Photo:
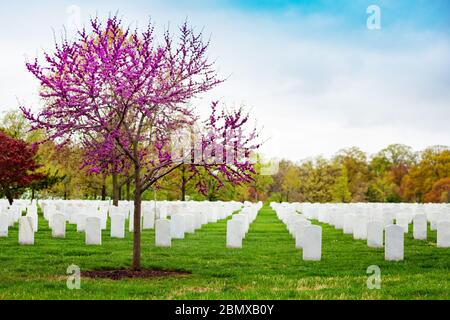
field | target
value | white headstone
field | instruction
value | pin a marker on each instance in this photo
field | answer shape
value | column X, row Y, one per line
column 312, row 246
column 443, row 234
column 103, row 215
column 162, row 212
column 93, row 231
column 81, row 222
column 58, row 225
column 297, row 218
column 339, row 221
column 234, row 233
column 291, row 219
column 244, row 225
column 4, row 224
column 212, row 215
column 189, row 223
column 387, row 219
column 131, row 220
column 299, row 232
column 375, row 234
column 403, row 222
column 26, row 233
column 177, row 227
column 359, row 227
column 394, row 243
column 12, row 218
column 420, row 227
column 348, row 223
column 162, row 233
column 204, row 218
column 35, row 218
column 433, row 224
column 198, row 220
column 148, row 219
column 49, row 217
column 117, row 226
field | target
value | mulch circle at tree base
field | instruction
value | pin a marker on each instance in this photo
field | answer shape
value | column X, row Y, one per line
column 118, row 274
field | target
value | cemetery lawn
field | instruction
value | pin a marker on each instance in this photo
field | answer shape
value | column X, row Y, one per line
column 268, row 266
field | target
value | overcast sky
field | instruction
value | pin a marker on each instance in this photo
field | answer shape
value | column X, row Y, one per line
column 311, row 72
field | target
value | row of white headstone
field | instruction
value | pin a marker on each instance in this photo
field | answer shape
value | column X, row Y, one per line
column 239, row 225
column 91, row 217
column 308, row 237
column 365, row 226
column 28, row 224
column 191, row 220
column 378, row 228
column 402, row 213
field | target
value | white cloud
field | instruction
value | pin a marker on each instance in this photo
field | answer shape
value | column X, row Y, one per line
column 314, row 92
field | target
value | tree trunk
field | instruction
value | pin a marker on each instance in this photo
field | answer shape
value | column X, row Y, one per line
column 137, row 220
column 183, row 190
column 32, row 194
column 128, row 190
column 115, row 186
column 183, row 183
column 9, row 197
column 183, row 193
column 66, row 191
column 104, row 188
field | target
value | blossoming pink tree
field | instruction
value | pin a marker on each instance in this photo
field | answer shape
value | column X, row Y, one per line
column 122, row 95
column 103, row 157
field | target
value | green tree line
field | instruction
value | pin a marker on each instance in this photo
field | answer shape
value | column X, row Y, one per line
column 396, row 173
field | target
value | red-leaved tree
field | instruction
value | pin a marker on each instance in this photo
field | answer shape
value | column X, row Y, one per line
column 17, row 166
column 123, row 96
column 440, row 192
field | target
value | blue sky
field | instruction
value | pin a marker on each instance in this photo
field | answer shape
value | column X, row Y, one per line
column 311, row 72
column 420, row 13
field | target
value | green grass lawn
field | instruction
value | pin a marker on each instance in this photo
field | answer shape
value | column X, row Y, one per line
column 267, row 267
